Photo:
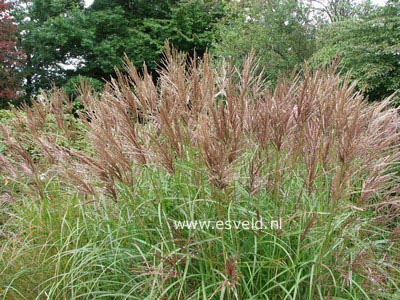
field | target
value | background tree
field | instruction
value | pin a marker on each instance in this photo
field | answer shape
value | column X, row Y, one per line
column 50, row 34
column 139, row 29
column 65, row 41
column 10, row 57
column 280, row 32
column 194, row 24
column 368, row 47
column 329, row 11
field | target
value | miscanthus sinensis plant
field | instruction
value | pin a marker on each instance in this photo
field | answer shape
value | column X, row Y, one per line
column 90, row 204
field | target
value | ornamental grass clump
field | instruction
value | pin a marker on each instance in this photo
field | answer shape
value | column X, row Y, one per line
column 92, row 202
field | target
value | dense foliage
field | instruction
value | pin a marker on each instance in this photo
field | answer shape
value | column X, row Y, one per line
column 10, row 57
column 64, row 40
column 280, row 32
column 367, row 47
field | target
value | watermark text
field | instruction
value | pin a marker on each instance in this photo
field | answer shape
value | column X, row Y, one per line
column 229, row 224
